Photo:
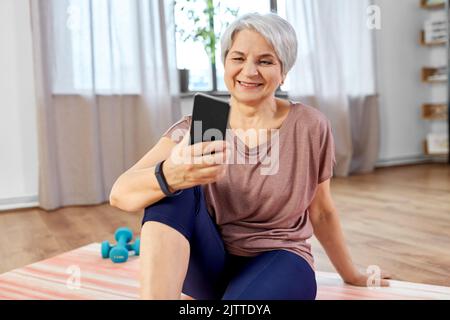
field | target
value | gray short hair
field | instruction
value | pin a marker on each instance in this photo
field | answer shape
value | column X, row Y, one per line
column 277, row 31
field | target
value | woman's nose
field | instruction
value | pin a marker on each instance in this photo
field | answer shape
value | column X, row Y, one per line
column 250, row 69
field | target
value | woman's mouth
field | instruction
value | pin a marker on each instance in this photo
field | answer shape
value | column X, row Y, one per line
column 249, row 84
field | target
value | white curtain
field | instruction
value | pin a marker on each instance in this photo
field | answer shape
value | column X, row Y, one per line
column 335, row 72
column 107, row 89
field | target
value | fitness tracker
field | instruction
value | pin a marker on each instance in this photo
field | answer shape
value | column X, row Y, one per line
column 162, row 181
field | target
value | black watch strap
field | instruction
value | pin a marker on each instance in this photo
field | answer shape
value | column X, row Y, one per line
column 162, row 181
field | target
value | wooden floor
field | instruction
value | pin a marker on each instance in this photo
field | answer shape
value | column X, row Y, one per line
column 397, row 218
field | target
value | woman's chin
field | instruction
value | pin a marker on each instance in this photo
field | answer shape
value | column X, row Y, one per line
column 249, row 98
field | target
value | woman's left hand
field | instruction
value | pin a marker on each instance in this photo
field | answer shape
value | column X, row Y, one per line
column 369, row 280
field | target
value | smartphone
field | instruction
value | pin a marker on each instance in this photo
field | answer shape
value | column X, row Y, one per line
column 209, row 118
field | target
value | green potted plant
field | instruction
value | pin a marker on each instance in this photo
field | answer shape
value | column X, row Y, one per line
column 203, row 28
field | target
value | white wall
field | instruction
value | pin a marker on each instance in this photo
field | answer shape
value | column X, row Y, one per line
column 400, row 59
column 18, row 143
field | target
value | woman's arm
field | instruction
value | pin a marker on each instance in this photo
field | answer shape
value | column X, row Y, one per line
column 138, row 187
column 327, row 229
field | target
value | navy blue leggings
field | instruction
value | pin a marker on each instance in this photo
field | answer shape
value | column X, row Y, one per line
column 215, row 274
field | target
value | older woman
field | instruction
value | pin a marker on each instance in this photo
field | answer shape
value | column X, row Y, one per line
column 216, row 230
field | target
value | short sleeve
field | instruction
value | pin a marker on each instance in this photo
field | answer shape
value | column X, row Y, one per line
column 327, row 158
column 178, row 130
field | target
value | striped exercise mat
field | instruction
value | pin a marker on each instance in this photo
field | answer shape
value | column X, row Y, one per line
column 83, row 274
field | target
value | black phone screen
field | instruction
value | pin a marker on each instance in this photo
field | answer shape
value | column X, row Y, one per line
column 209, row 119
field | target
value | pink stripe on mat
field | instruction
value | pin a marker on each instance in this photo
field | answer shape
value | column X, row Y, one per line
column 102, row 279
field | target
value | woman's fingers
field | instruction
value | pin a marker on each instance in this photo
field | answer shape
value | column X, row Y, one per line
column 202, row 148
column 385, row 283
column 384, row 276
column 200, row 161
column 187, row 156
column 211, row 159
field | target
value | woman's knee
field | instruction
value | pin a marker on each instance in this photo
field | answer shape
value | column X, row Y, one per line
column 186, row 199
column 177, row 212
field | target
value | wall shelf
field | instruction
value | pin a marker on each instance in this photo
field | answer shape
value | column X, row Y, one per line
column 431, row 75
column 437, row 111
column 438, row 28
column 427, row 153
column 430, row 44
column 424, row 5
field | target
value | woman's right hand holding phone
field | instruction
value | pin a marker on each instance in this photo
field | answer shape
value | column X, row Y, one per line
column 192, row 165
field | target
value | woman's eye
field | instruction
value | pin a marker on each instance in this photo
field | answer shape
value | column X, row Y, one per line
column 238, row 59
column 266, row 62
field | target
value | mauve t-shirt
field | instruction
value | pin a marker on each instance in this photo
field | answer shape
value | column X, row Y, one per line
column 262, row 202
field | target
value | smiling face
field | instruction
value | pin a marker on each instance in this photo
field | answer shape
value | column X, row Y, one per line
column 252, row 69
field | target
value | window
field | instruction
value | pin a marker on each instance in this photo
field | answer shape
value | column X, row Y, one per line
column 192, row 56
column 96, row 46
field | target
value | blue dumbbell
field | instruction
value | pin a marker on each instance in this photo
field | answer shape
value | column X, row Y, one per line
column 119, row 252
